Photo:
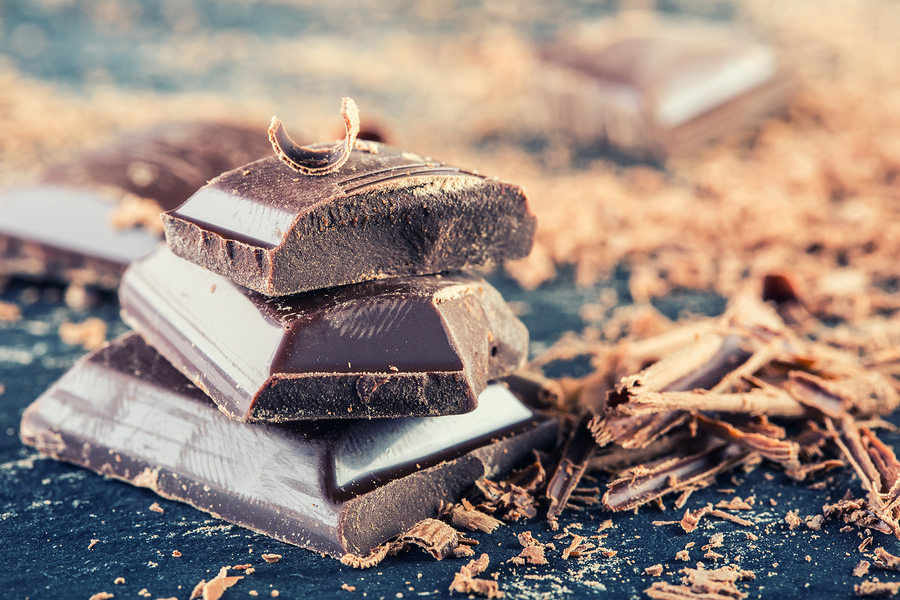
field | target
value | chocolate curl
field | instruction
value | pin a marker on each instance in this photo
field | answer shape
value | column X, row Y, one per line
column 579, row 450
column 311, row 160
column 780, row 451
column 643, row 484
column 763, row 401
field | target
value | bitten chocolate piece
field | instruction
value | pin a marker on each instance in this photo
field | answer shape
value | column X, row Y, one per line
column 331, row 486
column 385, row 213
column 409, row 346
column 88, row 219
column 657, row 87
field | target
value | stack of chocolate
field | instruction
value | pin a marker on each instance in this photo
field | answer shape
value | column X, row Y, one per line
column 322, row 309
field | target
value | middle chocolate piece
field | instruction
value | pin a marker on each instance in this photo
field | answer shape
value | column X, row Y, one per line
column 409, row 346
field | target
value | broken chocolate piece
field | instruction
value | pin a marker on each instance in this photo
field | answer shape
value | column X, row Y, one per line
column 317, row 159
column 411, row 346
column 332, row 486
column 658, row 87
column 386, row 213
column 64, row 229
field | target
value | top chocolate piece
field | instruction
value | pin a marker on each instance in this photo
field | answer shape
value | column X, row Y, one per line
column 385, row 213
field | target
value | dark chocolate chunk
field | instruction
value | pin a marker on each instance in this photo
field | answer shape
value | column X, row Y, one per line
column 409, row 346
column 331, row 486
column 166, row 163
column 90, row 218
column 385, row 213
column 659, row 87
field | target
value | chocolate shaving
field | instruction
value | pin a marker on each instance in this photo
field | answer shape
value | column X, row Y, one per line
column 578, row 451
column 316, row 161
column 366, row 562
column 474, row 520
column 641, row 485
column 861, row 569
column 886, row 560
column 779, row 451
column 466, row 583
column 436, row 537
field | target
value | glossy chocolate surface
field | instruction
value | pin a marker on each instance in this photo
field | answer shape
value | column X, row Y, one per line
column 661, row 86
column 410, row 346
column 62, row 229
column 385, row 213
column 331, row 486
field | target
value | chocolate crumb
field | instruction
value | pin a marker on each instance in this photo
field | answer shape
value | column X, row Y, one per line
column 349, row 588
column 101, row 596
column 271, row 558
column 654, row 571
column 215, row 587
column 119, row 580
column 176, row 553
column 155, row 507
column 92, row 544
column 683, row 555
column 862, row 569
column 792, row 520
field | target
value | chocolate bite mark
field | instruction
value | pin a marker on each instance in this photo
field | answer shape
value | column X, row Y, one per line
column 313, row 160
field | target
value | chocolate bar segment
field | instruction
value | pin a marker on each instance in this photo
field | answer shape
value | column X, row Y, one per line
column 385, row 213
column 655, row 87
column 409, row 346
column 88, row 219
column 330, row 486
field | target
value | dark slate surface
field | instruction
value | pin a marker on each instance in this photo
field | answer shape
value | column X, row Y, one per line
column 50, row 512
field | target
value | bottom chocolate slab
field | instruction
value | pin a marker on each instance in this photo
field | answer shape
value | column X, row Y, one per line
column 330, row 486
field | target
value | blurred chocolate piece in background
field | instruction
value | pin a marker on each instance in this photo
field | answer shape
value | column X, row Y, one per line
column 89, row 218
column 655, row 87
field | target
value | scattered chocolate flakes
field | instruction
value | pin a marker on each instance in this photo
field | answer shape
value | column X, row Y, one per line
column 862, row 569
column 271, row 558
column 318, row 160
column 737, row 503
column 466, row 583
column 876, row 589
column 90, row 335
column 155, row 507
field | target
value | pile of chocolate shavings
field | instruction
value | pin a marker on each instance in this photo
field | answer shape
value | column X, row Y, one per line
column 747, row 389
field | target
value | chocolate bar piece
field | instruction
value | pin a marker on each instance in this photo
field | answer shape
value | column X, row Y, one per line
column 409, row 346
column 385, row 213
column 330, row 486
column 88, row 219
column 658, row 87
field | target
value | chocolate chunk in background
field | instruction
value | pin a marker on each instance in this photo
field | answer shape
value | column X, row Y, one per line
column 409, row 346
column 385, row 213
column 656, row 87
column 167, row 162
column 331, row 486
column 86, row 220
